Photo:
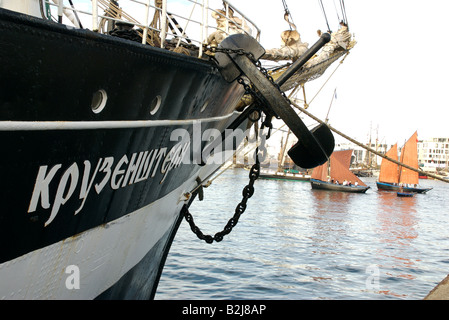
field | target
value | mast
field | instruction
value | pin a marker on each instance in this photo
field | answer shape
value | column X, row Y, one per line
column 332, row 100
column 285, row 148
column 368, row 154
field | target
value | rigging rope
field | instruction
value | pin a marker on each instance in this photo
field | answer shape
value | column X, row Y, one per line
column 343, row 10
column 366, row 147
column 341, row 62
column 324, row 13
column 288, row 16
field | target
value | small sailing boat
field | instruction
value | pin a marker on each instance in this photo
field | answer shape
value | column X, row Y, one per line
column 335, row 174
column 393, row 176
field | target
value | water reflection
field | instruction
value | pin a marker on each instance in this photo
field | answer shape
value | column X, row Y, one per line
column 296, row 243
column 330, row 215
column 396, row 229
column 331, row 220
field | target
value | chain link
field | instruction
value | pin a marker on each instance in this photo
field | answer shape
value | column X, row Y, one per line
column 247, row 193
column 248, row 190
column 258, row 64
column 239, row 51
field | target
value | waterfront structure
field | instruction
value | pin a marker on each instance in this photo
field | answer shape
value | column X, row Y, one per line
column 433, row 153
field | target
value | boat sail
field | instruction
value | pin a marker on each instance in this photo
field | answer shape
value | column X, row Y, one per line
column 393, row 177
column 389, row 170
column 335, row 174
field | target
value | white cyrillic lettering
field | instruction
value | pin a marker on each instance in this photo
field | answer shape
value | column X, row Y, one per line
column 73, row 173
column 167, row 164
column 182, row 136
column 182, row 158
column 143, row 164
column 117, row 172
column 132, row 168
column 41, row 187
column 160, row 154
column 106, row 167
column 147, row 166
column 86, row 185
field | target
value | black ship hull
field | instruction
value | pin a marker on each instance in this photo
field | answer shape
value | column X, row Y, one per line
column 100, row 141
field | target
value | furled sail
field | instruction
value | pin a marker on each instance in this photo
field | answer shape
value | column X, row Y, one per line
column 292, row 47
column 340, row 44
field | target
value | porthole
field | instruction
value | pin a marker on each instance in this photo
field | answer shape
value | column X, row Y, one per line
column 155, row 105
column 99, row 101
column 204, row 106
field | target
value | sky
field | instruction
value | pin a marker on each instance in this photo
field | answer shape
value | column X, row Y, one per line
column 393, row 82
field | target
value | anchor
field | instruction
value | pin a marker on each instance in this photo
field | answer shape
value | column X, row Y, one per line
column 314, row 147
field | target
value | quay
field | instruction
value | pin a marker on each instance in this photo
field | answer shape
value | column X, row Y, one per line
column 440, row 292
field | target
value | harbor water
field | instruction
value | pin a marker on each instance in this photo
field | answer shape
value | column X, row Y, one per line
column 295, row 243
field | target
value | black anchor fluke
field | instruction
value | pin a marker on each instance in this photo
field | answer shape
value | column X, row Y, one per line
column 313, row 147
column 304, row 157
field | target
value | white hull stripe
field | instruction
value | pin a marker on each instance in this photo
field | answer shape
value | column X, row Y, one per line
column 91, row 125
column 102, row 255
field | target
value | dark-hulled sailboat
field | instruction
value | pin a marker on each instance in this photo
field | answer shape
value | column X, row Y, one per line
column 393, row 177
column 335, row 175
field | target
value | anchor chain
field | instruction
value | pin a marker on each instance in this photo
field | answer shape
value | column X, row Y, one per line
column 258, row 64
column 248, row 190
column 259, row 100
column 247, row 193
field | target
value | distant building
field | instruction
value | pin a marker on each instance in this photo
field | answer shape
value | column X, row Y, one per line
column 433, row 152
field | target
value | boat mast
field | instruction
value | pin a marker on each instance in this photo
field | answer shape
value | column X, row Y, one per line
column 332, row 100
column 399, row 166
column 283, row 150
column 368, row 155
column 326, row 121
